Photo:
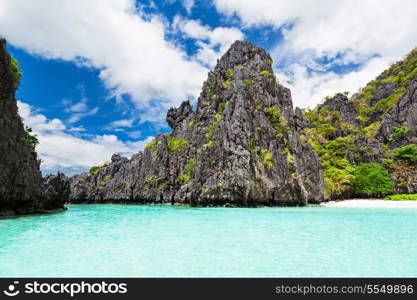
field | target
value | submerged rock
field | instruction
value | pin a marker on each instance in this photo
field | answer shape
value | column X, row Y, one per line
column 242, row 146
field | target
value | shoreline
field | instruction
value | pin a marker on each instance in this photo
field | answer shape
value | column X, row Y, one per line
column 371, row 203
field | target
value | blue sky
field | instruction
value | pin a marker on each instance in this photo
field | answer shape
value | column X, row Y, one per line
column 100, row 75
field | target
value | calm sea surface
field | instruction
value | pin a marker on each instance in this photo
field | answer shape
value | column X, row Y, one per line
column 165, row 241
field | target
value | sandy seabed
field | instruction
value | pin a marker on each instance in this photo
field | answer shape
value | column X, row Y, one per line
column 371, row 203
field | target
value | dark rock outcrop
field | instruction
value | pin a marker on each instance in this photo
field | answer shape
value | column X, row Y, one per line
column 21, row 183
column 402, row 116
column 242, row 146
column 377, row 125
column 176, row 115
column 404, row 113
column 341, row 104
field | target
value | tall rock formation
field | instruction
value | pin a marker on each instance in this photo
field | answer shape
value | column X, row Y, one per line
column 377, row 125
column 21, row 183
column 242, row 146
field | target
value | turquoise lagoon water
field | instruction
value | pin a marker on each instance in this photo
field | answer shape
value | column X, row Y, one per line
column 166, row 241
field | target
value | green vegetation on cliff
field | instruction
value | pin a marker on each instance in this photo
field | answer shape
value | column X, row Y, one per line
column 371, row 102
column 15, row 71
column 343, row 133
column 31, row 138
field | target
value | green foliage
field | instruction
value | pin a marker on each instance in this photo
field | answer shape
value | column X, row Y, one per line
column 407, row 153
column 266, row 158
column 189, row 171
column 152, row 145
column 229, row 77
column 400, row 132
column 270, row 61
column 184, row 178
column 212, row 128
column 191, row 124
column 371, row 179
column 176, row 144
column 400, row 74
column 15, row 71
column 370, row 130
column 247, row 82
column 341, row 145
column 265, row 73
column 94, row 170
column 402, row 197
column 277, row 121
column 221, row 107
column 151, row 181
column 273, row 114
column 104, row 182
column 190, row 166
column 31, row 138
column 337, row 181
column 163, row 185
column 229, row 74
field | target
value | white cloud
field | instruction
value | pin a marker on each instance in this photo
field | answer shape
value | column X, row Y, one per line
column 346, row 31
column 188, row 5
column 78, row 110
column 60, row 150
column 38, row 121
column 74, row 118
column 128, row 47
column 79, row 106
column 309, row 88
column 134, row 134
column 208, row 39
column 121, row 123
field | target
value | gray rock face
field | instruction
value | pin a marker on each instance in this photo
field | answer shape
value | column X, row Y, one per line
column 241, row 147
column 384, row 90
column 404, row 113
column 21, row 183
column 341, row 103
column 176, row 115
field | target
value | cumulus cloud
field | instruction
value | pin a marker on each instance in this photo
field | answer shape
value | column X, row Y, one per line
column 188, row 5
column 127, row 46
column 212, row 42
column 60, row 150
column 121, row 123
column 78, row 110
column 310, row 87
column 343, row 32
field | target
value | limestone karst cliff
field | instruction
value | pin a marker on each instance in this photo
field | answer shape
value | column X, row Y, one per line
column 242, row 146
column 22, row 188
column 374, row 130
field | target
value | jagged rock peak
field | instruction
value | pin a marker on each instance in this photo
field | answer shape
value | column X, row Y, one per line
column 241, row 52
column 176, row 115
column 242, row 146
column 341, row 103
